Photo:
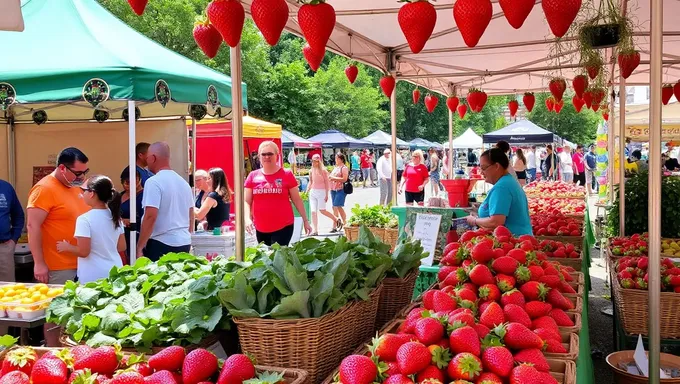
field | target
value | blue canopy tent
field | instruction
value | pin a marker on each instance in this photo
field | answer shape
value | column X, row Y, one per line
column 382, row 139
column 522, row 132
column 419, row 143
column 333, row 138
column 289, row 140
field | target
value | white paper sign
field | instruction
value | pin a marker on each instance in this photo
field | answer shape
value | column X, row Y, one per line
column 642, row 361
column 427, row 231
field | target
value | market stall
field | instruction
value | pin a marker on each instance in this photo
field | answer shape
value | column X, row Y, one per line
column 468, row 139
column 333, row 138
column 522, row 132
column 422, row 144
column 382, row 139
column 289, row 140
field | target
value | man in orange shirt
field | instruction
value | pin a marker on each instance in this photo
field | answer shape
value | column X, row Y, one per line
column 54, row 203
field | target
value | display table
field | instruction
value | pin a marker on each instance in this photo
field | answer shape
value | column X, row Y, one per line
column 204, row 243
column 23, row 325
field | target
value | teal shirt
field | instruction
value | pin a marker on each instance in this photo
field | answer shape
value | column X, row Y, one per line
column 355, row 162
column 507, row 198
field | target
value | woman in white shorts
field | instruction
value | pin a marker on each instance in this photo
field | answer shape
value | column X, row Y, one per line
column 318, row 189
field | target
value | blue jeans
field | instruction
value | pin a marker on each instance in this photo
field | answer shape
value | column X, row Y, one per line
column 532, row 174
column 338, row 198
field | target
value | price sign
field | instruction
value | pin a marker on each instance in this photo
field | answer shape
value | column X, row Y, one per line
column 427, row 231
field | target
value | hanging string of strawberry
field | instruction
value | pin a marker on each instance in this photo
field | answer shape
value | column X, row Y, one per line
column 417, row 19
column 560, row 14
column 558, row 106
column 550, row 103
column 313, row 57
column 529, row 100
column 452, row 102
column 476, row 99
column 557, row 87
column 416, row 96
column 628, row 61
column 513, row 106
column 431, row 102
column 271, row 17
column 317, row 21
column 207, row 37
column 580, row 83
column 666, row 93
column 462, row 110
column 228, row 17
column 472, row 18
column 578, row 103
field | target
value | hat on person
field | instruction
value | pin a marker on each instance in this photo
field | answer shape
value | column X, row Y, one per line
column 316, row 156
column 387, row 151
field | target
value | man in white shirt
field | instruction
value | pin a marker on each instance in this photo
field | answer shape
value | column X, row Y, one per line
column 168, row 208
column 566, row 165
column 531, row 164
column 292, row 160
column 384, row 169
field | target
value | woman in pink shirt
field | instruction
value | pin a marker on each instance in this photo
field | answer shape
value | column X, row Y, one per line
column 579, row 166
column 319, row 188
column 268, row 193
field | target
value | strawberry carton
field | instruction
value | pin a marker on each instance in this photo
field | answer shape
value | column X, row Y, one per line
column 556, row 190
column 569, row 207
column 554, row 225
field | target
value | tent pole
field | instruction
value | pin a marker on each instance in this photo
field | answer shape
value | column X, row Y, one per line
column 237, row 136
column 622, row 157
column 193, row 152
column 451, row 145
column 132, row 158
column 655, row 111
column 393, row 120
column 611, row 160
column 11, row 153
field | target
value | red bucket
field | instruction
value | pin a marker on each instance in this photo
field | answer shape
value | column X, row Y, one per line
column 459, row 192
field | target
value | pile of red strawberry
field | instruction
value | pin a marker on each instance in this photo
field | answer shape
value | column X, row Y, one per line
column 554, row 189
column 558, row 249
column 631, row 272
column 106, row 365
column 574, row 207
column 635, row 245
column 545, row 224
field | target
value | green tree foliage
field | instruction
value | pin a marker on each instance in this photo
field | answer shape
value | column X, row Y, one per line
column 579, row 128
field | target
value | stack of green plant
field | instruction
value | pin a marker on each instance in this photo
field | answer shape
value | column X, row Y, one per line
column 170, row 302
column 377, row 216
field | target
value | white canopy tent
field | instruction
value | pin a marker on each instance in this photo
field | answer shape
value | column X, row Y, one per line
column 469, row 139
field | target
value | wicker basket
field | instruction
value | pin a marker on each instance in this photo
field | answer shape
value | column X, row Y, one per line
column 563, row 371
column 396, row 295
column 211, row 339
column 570, row 343
column 366, row 314
column 379, row 233
column 633, row 307
column 391, row 237
column 352, row 233
column 315, row 345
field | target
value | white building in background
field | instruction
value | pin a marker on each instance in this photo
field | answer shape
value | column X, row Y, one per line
column 637, row 95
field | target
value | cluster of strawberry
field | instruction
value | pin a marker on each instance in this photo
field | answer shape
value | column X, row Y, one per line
column 635, row 245
column 554, row 189
column 559, row 249
column 576, row 207
column 631, row 272
column 106, row 365
column 546, row 224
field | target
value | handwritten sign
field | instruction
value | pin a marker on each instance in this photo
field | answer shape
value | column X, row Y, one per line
column 427, row 231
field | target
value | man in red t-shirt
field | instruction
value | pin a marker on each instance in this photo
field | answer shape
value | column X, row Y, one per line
column 366, row 165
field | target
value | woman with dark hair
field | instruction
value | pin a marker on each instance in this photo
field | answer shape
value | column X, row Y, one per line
column 337, row 178
column 520, row 166
column 99, row 232
column 505, row 204
column 215, row 207
column 505, row 147
column 125, row 206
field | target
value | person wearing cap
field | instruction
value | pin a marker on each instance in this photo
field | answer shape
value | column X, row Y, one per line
column 384, row 168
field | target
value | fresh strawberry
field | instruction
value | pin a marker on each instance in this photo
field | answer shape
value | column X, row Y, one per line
column 498, row 360
column 534, row 290
column 489, row 378
column 354, row 369
column 201, row 364
column 566, row 288
column 170, row 359
column 417, row 20
column 546, row 322
column 444, row 271
column 482, row 330
column 465, row 339
column 558, row 300
column 482, row 252
column 387, row 84
column 79, row 352
column 472, row 17
column 428, row 299
column 271, row 17
column 481, row 274
column 15, row 377
column 160, row 377
column 443, row 302
column 506, row 265
column 463, row 317
column 588, row 95
column 228, row 17
column 517, row 336
column 452, row 102
column 103, row 360
column 552, row 281
column 18, row 359
column 492, row 316
column 516, row 11
column 561, row 318
column 465, row 293
column 429, row 330
column 207, row 38
column 554, row 346
column 49, row 370
column 522, row 274
column 317, row 21
column 505, row 282
column 138, row 6
column 513, row 297
column 462, row 110
column 431, row 102
column 398, row 379
column 534, row 357
column 465, row 366
column 560, row 14
column 628, row 62
column 128, row 378
column 519, row 255
column 516, row 314
column 502, row 231
column 413, row 357
column 536, row 309
column 536, row 272
column 529, row 100
column 386, row 346
column 548, row 334
column 392, row 368
column 491, row 292
column 313, row 57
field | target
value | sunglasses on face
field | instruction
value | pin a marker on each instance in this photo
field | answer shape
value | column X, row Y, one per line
column 77, row 173
column 86, row 189
column 267, row 154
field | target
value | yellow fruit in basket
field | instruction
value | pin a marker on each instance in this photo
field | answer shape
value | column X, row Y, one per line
column 44, row 289
column 6, row 300
column 10, row 293
column 20, row 285
column 36, row 295
column 54, row 292
column 23, row 295
column 43, row 297
column 27, row 300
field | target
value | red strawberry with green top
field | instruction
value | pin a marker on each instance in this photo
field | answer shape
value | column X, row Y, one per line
column 317, row 21
column 482, row 330
column 506, row 265
column 554, row 346
column 160, row 377
column 15, row 377
column 552, row 281
column 513, row 105
column 313, row 57
column 557, row 299
column 441, row 302
column 516, row 314
column 534, row 357
column 49, row 370
column 472, row 17
column 428, row 299
column 452, row 102
column 398, row 379
column 199, row 365
column 489, row 378
column 516, row 336
column 529, row 100
column 498, row 360
column 413, row 357
column 355, row 369
column 482, row 252
column 431, row 102
column 557, row 87
column 138, row 6
column 566, row 288
column 560, row 14
column 492, row 316
column 103, row 360
column 465, row 366
column 548, row 334
column 228, row 17
column 533, row 290
column 536, row 309
column 236, row 369
column 79, row 352
column 516, row 11
column 18, row 359
column 444, row 271
column 386, row 346
column 527, row 374
column 465, row 339
column 387, row 84
column 462, row 110
column 271, row 17
column 169, row 359
column 480, row 275
column 417, row 19
column 429, row 330
column 505, row 283
column 207, row 38
column 561, row 318
column 513, row 297
column 519, row 255
column 536, row 272
column 432, row 373
column 128, row 378
column 546, row 322
column 628, row 61
column 491, row 292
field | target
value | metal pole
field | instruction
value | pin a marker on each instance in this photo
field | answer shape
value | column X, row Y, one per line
column 451, row 145
column 237, row 136
column 11, row 153
column 656, row 73
column 132, row 159
column 611, row 157
column 193, row 152
column 393, row 120
column 622, row 157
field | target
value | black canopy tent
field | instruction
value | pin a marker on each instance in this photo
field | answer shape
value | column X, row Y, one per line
column 522, row 132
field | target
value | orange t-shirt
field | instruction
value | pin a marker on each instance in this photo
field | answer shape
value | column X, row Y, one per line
column 63, row 206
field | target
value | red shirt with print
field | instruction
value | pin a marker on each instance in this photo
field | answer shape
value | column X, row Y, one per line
column 365, row 162
column 271, row 199
column 415, row 176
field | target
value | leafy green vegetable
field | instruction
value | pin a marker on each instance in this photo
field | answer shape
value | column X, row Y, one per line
column 376, row 216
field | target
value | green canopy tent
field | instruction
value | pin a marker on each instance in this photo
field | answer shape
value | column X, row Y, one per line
column 75, row 61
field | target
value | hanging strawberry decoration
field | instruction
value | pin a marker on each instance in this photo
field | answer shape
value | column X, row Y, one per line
column 550, row 103
column 452, row 103
column 676, row 91
column 317, row 20
column 416, row 96
column 228, row 17
column 271, row 17
column 417, row 19
column 529, row 101
column 557, row 87
column 605, row 114
column 207, row 38
column 476, row 99
column 580, row 83
column 558, row 106
column 560, row 14
column 666, row 93
column 313, row 57
column 516, row 11
column 578, row 103
column 588, row 98
column 593, row 70
column 431, row 102
column 138, row 6
column 513, row 106
column 462, row 110
column 387, row 84
column 598, row 95
column 628, row 61
column 596, row 107
column 472, row 17
column 352, row 71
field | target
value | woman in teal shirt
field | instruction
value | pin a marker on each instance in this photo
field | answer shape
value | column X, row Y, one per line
column 506, row 203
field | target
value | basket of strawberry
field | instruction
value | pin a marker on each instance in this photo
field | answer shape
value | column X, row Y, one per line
column 635, row 245
column 630, row 282
column 107, row 365
column 558, row 227
column 566, row 253
column 556, row 190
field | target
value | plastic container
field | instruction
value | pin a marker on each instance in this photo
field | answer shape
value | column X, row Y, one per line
column 22, row 314
column 458, row 191
column 28, row 310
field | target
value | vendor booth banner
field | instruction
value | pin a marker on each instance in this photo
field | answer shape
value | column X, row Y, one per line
column 602, row 160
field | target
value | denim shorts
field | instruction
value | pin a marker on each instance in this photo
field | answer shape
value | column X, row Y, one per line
column 338, row 198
